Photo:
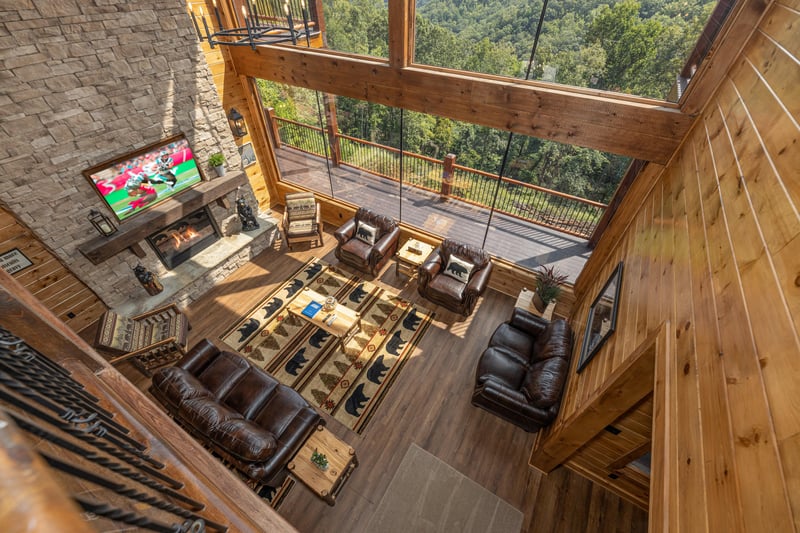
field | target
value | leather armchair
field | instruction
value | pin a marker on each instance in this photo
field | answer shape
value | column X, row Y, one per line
column 237, row 410
column 366, row 257
column 447, row 291
column 521, row 375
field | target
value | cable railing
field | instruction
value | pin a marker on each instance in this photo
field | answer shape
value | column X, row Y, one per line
column 539, row 205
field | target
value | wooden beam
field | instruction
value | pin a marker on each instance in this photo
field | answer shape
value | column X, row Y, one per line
column 633, row 126
column 631, row 382
column 401, row 33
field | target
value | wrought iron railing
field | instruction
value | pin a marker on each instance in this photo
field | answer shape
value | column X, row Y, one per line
column 538, row 205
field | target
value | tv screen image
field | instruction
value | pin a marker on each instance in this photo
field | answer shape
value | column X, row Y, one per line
column 134, row 182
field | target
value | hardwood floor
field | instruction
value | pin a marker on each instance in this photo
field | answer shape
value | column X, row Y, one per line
column 429, row 405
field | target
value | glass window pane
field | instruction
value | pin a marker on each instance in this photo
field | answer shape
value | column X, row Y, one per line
column 357, row 26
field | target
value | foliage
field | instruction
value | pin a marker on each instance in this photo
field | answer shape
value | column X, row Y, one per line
column 548, row 283
column 216, row 159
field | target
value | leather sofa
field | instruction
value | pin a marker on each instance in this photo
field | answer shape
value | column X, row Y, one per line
column 521, row 375
column 357, row 252
column 457, row 295
column 237, row 410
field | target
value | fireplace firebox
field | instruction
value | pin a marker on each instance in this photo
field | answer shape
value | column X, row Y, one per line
column 185, row 238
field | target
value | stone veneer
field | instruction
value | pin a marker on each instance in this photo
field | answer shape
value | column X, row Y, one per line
column 81, row 82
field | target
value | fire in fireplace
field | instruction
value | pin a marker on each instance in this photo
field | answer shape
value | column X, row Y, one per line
column 185, row 238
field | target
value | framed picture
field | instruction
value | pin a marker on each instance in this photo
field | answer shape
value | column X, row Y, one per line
column 136, row 181
column 248, row 154
column 602, row 319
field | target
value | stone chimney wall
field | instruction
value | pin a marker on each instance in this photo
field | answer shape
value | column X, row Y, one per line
column 84, row 81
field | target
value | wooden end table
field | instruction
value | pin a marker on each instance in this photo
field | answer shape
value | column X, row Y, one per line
column 342, row 461
column 407, row 261
column 346, row 324
column 525, row 301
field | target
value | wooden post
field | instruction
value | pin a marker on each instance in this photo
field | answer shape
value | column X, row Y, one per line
column 447, row 175
column 329, row 103
column 273, row 125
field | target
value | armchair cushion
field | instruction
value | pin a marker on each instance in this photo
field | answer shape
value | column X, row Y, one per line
column 366, row 233
column 459, row 269
column 301, row 205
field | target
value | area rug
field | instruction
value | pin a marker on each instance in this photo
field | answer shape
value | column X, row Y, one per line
column 428, row 495
column 347, row 385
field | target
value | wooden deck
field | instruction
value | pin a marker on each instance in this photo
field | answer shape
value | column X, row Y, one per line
column 524, row 243
column 429, row 405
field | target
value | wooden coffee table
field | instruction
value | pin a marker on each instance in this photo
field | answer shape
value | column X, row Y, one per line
column 346, row 323
column 408, row 261
column 342, row 461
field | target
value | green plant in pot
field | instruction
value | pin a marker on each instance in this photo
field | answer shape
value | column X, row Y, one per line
column 217, row 162
column 319, row 460
column 548, row 286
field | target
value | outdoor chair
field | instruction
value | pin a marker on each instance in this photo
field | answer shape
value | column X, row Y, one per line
column 149, row 340
column 301, row 219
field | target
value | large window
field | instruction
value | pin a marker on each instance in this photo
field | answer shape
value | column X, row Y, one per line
column 357, row 26
column 524, row 199
column 631, row 46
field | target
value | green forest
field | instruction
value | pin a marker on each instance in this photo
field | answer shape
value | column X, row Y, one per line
column 634, row 47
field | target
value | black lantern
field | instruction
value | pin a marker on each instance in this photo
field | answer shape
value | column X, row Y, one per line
column 238, row 126
column 101, row 223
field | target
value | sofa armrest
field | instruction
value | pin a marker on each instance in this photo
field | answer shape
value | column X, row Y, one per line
column 526, row 321
column 384, row 245
column 198, row 357
column 478, row 283
column 346, row 231
column 431, row 267
column 514, row 401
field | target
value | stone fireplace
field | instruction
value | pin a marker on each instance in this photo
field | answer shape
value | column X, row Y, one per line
column 185, row 238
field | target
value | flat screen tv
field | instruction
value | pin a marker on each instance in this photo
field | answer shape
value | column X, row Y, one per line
column 139, row 180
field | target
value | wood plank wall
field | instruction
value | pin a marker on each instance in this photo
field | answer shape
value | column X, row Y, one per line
column 711, row 245
column 48, row 278
column 239, row 92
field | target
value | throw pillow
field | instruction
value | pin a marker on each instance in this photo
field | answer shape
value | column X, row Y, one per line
column 366, row 233
column 459, row 269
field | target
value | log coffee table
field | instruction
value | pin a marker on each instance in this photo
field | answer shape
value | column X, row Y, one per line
column 346, row 322
column 342, row 461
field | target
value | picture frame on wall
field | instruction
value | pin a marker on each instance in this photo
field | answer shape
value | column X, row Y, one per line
column 602, row 320
column 248, row 154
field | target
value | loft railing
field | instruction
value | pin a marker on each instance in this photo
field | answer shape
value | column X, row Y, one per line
column 531, row 203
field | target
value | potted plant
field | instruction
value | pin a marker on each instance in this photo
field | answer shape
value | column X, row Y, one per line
column 217, row 162
column 319, row 460
column 548, row 286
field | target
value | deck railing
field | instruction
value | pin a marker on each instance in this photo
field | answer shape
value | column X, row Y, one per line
column 539, row 205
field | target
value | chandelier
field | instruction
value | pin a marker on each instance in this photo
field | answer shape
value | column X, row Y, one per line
column 264, row 22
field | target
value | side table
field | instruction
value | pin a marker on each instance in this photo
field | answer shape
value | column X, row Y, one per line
column 342, row 461
column 407, row 261
column 525, row 301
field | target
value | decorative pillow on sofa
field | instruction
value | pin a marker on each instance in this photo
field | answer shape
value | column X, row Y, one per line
column 542, row 386
column 366, row 233
column 459, row 269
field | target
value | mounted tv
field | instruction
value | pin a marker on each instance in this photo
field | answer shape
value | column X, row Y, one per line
column 139, row 180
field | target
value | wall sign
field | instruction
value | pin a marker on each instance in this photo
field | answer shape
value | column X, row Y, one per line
column 14, row 261
column 248, row 154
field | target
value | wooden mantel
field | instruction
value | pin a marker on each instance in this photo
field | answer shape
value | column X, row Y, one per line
column 133, row 231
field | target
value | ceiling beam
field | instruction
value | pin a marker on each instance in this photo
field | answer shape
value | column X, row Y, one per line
column 627, row 125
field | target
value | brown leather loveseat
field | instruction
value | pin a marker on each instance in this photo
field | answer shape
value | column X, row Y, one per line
column 521, row 375
column 237, row 410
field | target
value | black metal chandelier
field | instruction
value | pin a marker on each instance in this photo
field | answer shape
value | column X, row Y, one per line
column 264, row 23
